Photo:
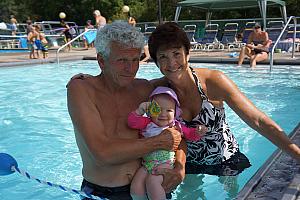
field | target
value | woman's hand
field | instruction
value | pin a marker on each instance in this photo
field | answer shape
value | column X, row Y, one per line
column 79, row 76
column 201, row 130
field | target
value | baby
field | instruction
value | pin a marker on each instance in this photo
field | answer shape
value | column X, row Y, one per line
column 162, row 112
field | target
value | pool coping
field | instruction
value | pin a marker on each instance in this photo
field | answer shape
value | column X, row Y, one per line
column 265, row 182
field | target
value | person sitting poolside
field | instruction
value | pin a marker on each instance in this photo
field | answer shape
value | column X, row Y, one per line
column 99, row 107
column 257, row 47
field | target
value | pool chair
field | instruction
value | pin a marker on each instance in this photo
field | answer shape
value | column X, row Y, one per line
column 229, row 36
column 148, row 32
column 246, row 32
column 274, row 29
column 290, row 35
column 209, row 40
column 190, row 31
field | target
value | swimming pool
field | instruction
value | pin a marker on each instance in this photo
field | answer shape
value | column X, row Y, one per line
column 36, row 129
column 13, row 50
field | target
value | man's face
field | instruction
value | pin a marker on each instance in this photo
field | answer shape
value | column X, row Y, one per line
column 122, row 64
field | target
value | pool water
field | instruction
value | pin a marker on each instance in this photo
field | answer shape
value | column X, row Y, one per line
column 13, row 50
column 36, row 129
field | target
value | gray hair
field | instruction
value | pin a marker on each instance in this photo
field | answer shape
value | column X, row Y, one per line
column 120, row 32
column 97, row 12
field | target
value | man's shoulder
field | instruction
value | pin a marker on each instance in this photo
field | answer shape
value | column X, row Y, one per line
column 142, row 86
column 138, row 82
column 82, row 83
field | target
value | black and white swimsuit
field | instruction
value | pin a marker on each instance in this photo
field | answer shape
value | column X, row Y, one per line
column 218, row 148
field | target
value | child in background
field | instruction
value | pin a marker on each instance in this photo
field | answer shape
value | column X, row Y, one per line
column 87, row 27
column 44, row 47
column 163, row 111
column 32, row 36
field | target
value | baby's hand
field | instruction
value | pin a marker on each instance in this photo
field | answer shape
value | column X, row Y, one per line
column 143, row 107
column 201, row 130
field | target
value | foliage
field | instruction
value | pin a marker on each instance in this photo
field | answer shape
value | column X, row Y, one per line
column 143, row 10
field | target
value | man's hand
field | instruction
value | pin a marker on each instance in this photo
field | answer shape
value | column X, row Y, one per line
column 79, row 76
column 170, row 139
column 172, row 177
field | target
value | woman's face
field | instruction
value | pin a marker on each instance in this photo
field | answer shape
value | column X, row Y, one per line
column 172, row 61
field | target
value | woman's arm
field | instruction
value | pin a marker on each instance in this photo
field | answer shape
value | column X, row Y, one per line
column 220, row 85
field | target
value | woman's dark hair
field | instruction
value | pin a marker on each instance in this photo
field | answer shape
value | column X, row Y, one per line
column 168, row 35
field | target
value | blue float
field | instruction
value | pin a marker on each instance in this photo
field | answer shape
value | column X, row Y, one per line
column 6, row 164
column 9, row 165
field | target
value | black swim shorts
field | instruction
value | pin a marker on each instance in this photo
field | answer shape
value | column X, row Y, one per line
column 260, row 50
column 112, row 193
column 231, row 167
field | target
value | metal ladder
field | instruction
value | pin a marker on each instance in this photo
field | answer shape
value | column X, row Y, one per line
column 63, row 46
column 275, row 44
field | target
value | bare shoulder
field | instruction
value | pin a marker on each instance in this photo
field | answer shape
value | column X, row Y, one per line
column 209, row 75
column 142, row 86
column 159, row 82
column 82, row 87
column 215, row 83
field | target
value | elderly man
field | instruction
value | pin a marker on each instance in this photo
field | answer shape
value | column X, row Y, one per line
column 99, row 107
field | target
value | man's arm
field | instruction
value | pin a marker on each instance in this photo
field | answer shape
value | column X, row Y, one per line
column 173, row 177
column 106, row 150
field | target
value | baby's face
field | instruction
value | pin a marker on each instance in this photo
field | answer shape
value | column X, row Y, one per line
column 167, row 106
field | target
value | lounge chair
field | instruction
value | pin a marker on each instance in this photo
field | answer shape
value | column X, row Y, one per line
column 274, row 29
column 229, row 36
column 190, row 31
column 247, row 30
column 148, row 32
column 209, row 39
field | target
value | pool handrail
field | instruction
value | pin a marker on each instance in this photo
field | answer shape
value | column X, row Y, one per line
column 63, row 46
column 279, row 37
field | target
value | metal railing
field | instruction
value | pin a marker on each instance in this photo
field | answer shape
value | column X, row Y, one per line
column 71, row 41
column 279, row 37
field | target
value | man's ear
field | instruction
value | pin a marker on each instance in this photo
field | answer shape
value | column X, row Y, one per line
column 100, row 60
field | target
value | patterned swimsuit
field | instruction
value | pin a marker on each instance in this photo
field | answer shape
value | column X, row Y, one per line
column 218, row 151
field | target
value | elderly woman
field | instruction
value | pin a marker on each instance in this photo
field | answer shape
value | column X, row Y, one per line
column 257, row 47
column 202, row 94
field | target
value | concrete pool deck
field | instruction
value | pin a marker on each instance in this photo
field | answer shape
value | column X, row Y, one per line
column 17, row 59
column 278, row 178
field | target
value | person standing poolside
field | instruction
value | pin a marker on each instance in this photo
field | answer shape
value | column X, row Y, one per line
column 44, row 45
column 202, row 94
column 32, row 37
column 66, row 32
column 257, row 47
column 100, row 20
column 162, row 109
column 87, row 27
column 13, row 23
column 99, row 107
